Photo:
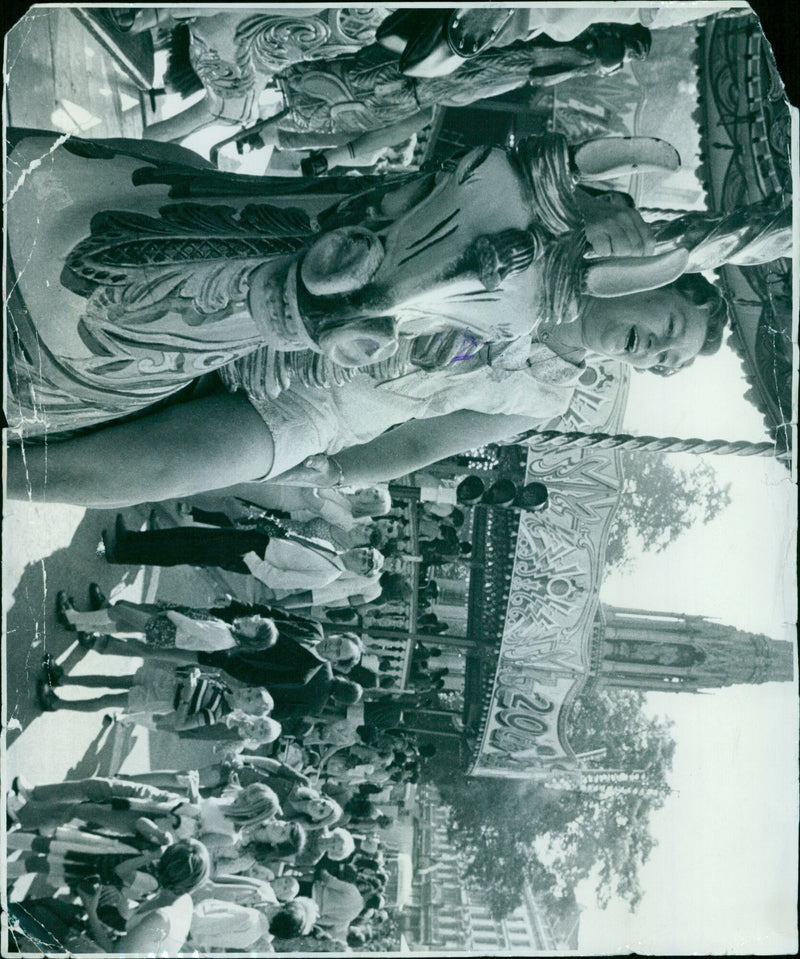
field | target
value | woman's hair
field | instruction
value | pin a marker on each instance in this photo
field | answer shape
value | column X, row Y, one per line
column 333, row 815
column 260, row 729
column 365, row 677
column 266, row 634
column 293, row 845
column 349, row 844
column 697, row 289
column 253, row 804
column 296, row 918
column 355, row 639
column 345, row 692
column 265, row 701
column 394, row 587
column 381, row 505
column 359, row 807
column 355, row 937
column 180, row 75
column 456, row 518
column 375, row 901
column 183, row 866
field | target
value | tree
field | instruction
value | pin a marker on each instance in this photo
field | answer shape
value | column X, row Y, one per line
column 507, row 830
column 659, row 503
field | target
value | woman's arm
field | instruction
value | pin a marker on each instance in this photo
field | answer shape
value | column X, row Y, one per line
column 147, row 938
column 357, row 152
column 97, row 930
column 419, row 443
column 180, row 721
column 274, row 766
column 403, row 450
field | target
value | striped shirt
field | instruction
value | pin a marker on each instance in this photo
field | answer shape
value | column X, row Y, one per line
column 208, row 700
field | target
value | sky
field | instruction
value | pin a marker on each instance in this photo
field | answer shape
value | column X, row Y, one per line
column 723, row 877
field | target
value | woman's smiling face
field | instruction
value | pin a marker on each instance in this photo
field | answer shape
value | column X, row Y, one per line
column 657, row 328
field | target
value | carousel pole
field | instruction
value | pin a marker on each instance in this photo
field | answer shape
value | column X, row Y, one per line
column 558, row 439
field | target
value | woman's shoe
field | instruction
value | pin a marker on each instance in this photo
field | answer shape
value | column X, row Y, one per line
column 47, row 698
column 13, row 805
column 316, row 164
column 97, row 598
column 86, row 640
column 21, row 786
column 63, row 603
column 52, row 671
column 109, row 548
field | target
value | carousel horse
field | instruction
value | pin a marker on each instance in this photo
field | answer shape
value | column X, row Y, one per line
column 417, row 290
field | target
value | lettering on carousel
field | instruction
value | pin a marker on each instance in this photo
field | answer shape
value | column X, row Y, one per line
column 521, row 709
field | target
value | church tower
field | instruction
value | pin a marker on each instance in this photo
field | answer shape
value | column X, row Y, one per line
column 664, row 652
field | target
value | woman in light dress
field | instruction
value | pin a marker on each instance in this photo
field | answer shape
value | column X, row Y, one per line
column 149, row 303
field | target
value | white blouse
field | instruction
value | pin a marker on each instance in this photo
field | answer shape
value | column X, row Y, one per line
column 538, row 385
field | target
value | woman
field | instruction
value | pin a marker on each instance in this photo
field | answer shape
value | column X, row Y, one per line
column 133, row 336
column 158, row 927
column 109, row 805
column 286, row 663
column 335, row 844
column 221, row 925
column 300, row 802
column 169, row 626
column 348, row 513
column 269, row 846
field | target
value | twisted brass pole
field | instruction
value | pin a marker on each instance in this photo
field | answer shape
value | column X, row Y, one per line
column 558, row 439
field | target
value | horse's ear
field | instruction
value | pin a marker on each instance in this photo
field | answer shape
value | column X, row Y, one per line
column 623, row 275
column 608, row 157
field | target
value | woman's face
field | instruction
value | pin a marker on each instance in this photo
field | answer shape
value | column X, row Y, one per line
column 262, row 730
column 369, row 500
column 317, row 809
column 273, row 832
column 656, row 328
column 250, row 700
column 336, row 846
column 285, row 888
column 337, row 649
column 249, row 625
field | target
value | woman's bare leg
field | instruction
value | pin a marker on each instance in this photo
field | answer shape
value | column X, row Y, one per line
column 174, row 779
column 192, row 447
column 133, row 647
column 102, row 681
column 132, row 617
column 183, row 124
column 109, row 701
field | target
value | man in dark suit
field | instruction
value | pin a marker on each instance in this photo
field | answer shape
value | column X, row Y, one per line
column 287, row 663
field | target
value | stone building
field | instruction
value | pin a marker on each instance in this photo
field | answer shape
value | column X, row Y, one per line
column 672, row 652
column 445, row 914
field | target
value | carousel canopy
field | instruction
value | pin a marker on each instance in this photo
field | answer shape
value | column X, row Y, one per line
column 744, row 122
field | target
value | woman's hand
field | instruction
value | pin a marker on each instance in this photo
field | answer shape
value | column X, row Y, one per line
column 318, row 470
column 613, row 228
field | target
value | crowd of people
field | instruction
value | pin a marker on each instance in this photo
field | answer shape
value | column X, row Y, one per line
column 278, row 843
column 267, row 353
